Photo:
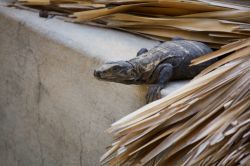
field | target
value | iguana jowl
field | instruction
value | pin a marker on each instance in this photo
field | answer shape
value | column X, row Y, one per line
column 168, row 61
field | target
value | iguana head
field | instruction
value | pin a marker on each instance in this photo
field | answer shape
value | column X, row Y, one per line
column 121, row 72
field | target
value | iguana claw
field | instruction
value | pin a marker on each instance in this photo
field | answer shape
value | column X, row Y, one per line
column 154, row 93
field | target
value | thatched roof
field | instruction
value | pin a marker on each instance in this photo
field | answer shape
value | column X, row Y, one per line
column 213, row 22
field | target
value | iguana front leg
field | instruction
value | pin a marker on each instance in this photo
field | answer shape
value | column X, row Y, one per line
column 161, row 76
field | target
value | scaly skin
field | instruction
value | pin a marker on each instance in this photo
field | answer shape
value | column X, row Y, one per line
column 168, row 61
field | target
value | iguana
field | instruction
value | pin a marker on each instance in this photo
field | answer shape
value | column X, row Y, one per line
column 168, row 61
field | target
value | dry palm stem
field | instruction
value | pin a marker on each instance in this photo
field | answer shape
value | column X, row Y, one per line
column 205, row 122
column 213, row 22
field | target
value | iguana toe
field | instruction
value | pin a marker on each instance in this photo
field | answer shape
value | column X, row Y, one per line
column 154, row 93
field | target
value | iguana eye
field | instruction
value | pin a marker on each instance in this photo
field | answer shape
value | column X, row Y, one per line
column 116, row 68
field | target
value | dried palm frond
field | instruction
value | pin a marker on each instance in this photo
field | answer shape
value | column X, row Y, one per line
column 213, row 22
column 205, row 122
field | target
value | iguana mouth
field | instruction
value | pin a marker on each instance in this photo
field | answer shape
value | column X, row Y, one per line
column 99, row 75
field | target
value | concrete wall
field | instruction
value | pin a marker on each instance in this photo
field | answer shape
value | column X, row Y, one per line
column 52, row 111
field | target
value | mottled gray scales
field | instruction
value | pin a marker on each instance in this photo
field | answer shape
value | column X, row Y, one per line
column 168, row 61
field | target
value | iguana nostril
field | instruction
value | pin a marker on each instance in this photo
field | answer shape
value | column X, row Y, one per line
column 97, row 74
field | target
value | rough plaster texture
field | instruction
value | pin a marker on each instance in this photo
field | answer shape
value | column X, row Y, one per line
column 52, row 111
